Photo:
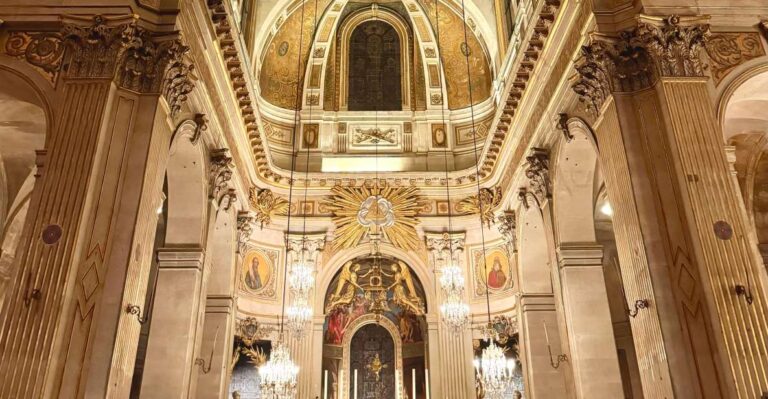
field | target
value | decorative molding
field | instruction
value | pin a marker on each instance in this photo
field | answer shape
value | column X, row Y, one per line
column 220, row 174
column 726, row 51
column 506, row 223
column 675, row 43
column 245, row 222
column 265, row 203
column 561, row 123
column 632, row 60
column 44, row 51
column 482, row 203
column 249, row 330
column 537, row 172
column 201, row 122
column 178, row 84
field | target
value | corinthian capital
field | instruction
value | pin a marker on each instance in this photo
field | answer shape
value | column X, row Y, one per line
column 674, row 42
column 119, row 49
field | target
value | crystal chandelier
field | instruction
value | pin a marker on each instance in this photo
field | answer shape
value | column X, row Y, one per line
column 455, row 312
column 298, row 314
column 494, row 371
column 278, row 375
column 301, row 278
column 452, row 279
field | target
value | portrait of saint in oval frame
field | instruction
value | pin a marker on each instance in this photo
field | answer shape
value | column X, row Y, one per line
column 499, row 272
column 256, row 272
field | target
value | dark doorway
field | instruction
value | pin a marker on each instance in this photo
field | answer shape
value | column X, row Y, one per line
column 374, row 68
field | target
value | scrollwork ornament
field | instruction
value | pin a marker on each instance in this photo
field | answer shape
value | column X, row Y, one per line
column 506, row 223
column 266, row 203
column 43, row 50
column 220, row 173
column 178, row 84
column 244, row 229
column 537, row 172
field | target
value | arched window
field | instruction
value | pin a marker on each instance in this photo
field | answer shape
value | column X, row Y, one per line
column 374, row 68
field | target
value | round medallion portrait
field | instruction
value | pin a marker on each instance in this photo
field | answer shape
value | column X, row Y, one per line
column 257, row 271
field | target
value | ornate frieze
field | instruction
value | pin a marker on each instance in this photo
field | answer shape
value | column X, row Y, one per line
column 245, row 222
column 482, row 203
column 265, row 204
column 220, row 173
column 537, row 172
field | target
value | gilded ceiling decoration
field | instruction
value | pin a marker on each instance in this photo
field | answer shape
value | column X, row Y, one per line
column 453, row 51
column 265, row 204
column 391, row 214
column 278, row 76
column 485, row 203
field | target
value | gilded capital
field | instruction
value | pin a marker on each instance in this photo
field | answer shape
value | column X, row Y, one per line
column 95, row 49
column 674, row 42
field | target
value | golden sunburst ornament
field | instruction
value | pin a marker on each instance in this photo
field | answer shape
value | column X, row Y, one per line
column 359, row 212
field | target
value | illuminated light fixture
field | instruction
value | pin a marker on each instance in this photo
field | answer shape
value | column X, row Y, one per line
column 455, row 313
column 301, row 278
column 278, row 375
column 452, row 279
column 299, row 314
column 494, row 371
column 606, row 209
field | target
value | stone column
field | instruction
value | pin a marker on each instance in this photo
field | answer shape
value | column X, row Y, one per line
column 539, row 348
column 587, row 315
column 86, row 247
column 680, row 229
column 306, row 248
column 171, row 349
column 454, row 378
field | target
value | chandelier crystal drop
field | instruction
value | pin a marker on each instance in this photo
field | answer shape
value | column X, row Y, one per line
column 301, row 278
column 494, row 371
column 455, row 312
column 298, row 315
column 278, row 375
column 452, row 279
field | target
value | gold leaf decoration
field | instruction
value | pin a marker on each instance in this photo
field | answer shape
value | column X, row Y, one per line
column 265, row 203
column 345, row 204
column 489, row 199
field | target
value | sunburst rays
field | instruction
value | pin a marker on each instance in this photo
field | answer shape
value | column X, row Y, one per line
column 345, row 203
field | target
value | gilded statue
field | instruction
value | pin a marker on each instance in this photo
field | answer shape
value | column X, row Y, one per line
column 345, row 287
column 403, row 290
column 376, row 366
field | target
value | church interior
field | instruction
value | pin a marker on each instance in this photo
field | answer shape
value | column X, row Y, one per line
column 389, row 199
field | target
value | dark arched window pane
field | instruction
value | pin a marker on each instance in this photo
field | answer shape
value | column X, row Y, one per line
column 374, row 68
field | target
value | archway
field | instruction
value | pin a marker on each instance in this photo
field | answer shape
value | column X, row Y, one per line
column 386, row 292
column 23, row 125
column 374, row 68
column 745, row 129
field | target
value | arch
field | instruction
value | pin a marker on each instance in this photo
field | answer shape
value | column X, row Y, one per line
column 333, row 265
column 187, row 201
column 573, row 185
column 353, row 328
column 350, row 24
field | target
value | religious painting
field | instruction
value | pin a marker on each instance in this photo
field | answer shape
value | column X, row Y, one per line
column 494, row 271
column 439, row 137
column 383, row 286
column 311, row 135
column 374, row 68
column 257, row 274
